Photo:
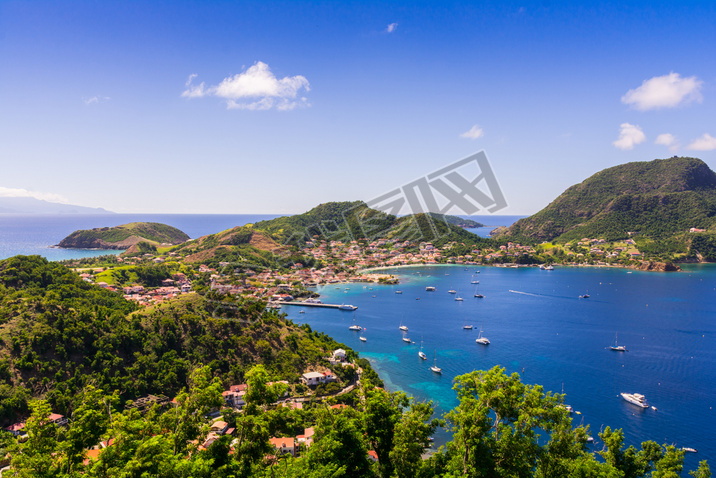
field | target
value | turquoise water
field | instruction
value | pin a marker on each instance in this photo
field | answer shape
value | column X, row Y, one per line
column 539, row 327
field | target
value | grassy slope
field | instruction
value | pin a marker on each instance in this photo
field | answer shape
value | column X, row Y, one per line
column 151, row 231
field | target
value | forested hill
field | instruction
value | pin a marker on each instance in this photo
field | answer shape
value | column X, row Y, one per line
column 59, row 333
column 656, row 199
column 124, row 236
column 355, row 220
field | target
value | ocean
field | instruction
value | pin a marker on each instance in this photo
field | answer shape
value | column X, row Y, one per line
column 540, row 328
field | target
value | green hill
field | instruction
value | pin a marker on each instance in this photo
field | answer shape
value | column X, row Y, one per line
column 346, row 221
column 124, row 236
column 656, row 199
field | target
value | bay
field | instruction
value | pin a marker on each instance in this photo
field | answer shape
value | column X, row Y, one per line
column 539, row 327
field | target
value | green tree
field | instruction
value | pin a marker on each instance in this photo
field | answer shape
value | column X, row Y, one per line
column 410, row 439
column 498, row 423
column 35, row 457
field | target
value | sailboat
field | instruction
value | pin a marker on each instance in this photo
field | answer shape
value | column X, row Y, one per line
column 458, row 298
column 477, row 294
column 617, row 348
column 466, row 326
column 435, row 367
column 421, row 354
column 354, row 326
column 452, row 291
column 474, row 281
column 482, row 340
column 402, row 327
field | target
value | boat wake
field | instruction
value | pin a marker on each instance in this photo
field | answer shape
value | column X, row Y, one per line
column 526, row 293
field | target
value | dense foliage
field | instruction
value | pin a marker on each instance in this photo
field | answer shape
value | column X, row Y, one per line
column 502, row 428
column 657, row 199
column 60, row 333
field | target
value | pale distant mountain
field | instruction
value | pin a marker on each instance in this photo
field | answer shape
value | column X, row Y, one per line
column 26, row 205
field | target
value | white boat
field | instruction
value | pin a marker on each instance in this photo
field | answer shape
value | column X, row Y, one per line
column 363, row 339
column 584, row 296
column 435, row 367
column 404, row 328
column 467, row 327
column 347, row 307
column 635, row 399
column 301, row 311
column 689, row 449
column 406, row 340
column 398, row 291
column 482, row 340
column 452, row 291
column 421, row 354
column 618, row 348
column 459, row 299
column 355, row 327
column 430, row 288
column 477, row 294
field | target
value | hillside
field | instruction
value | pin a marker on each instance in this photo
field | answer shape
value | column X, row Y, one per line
column 346, row 221
column 656, row 199
column 124, row 236
column 59, row 333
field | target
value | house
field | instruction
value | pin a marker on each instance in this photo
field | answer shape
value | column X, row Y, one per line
column 372, row 456
column 307, row 437
column 339, row 355
column 284, row 445
column 17, row 429
column 219, row 427
column 312, row 378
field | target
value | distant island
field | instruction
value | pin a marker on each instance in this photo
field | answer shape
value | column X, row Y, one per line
column 28, row 205
column 124, row 237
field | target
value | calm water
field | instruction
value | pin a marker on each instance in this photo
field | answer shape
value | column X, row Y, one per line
column 35, row 234
column 541, row 329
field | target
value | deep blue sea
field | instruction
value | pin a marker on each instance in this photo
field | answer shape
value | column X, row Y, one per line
column 539, row 327
column 535, row 320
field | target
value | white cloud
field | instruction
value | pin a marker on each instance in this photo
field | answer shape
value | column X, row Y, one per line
column 704, row 143
column 666, row 91
column 668, row 140
column 24, row 193
column 95, row 99
column 473, row 133
column 629, row 136
column 255, row 89
column 391, row 28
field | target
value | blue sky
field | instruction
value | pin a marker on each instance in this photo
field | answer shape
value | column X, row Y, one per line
column 274, row 107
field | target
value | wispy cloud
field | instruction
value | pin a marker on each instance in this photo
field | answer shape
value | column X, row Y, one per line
column 24, row 193
column 703, row 143
column 255, row 89
column 668, row 140
column 629, row 136
column 391, row 28
column 95, row 99
column 473, row 133
column 668, row 91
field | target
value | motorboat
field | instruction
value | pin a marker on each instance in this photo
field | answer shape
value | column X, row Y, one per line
column 347, row 307
column 636, row 399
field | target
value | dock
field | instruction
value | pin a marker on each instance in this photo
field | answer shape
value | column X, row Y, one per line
column 311, row 304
